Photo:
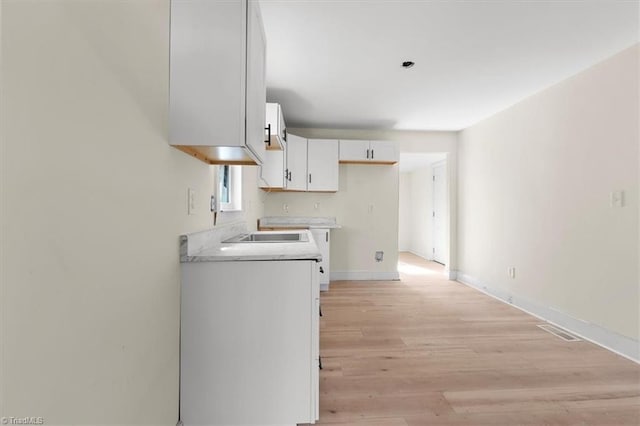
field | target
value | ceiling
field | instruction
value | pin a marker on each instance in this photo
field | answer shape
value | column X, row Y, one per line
column 337, row 64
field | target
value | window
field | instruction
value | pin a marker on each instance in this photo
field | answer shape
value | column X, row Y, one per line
column 230, row 188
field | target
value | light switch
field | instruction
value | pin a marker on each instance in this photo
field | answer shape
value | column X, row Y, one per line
column 191, row 201
column 616, row 198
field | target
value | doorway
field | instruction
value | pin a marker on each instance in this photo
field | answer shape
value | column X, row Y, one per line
column 420, row 200
column 439, row 213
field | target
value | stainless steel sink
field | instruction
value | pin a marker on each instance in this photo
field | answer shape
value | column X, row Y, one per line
column 267, row 237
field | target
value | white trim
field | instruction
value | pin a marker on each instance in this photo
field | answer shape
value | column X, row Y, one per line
column 610, row 340
column 324, row 286
column 364, row 276
column 452, row 274
column 425, row 257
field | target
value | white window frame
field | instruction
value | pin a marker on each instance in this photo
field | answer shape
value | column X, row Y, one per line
column 234, row 186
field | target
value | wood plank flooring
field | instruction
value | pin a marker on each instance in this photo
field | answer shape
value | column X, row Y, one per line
column 428, row 351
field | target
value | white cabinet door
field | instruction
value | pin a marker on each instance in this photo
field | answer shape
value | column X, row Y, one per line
column 249, row 342
column 322, row 165
column 207, row 97
column 322, row 239
column 275, row 127
column 384, row 152
column 315, row 347
column 353, row 151
column 256, row 81
column 296, row 163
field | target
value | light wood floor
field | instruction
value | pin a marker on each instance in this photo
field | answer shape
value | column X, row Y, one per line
column 428, row 351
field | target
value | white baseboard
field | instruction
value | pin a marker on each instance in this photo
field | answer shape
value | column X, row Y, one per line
column 324, row 286
column 422, row 255
column 452, row 274
column 364, row 276
column 610, row 340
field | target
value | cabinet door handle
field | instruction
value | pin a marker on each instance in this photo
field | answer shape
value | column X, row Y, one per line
column 284, row 134
column 320, row 309
column 289, row 175
column 327, row 236
column 320, row 362
column 372, row 153
column 268, row 129
column 286, row 174
column 309, row 177
column 367, row 154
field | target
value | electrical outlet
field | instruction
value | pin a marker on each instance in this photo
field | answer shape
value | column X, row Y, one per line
column 512, row 272
column 616, row 198
column 316, row 206
column 285, row 207
column 510, row 299
column 379, row 256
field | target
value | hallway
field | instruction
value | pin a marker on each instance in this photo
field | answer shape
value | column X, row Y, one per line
column 428, row 351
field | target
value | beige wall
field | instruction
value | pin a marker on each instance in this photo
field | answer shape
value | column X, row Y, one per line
column 353, row 247
column 362, row 186
column 93, row 202
column 534, row 187
column 366, row 205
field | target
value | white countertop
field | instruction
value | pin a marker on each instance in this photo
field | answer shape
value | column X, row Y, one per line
column 309, row 222
column 207, row 246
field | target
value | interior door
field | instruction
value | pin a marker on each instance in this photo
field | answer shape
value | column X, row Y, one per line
column 440, row 216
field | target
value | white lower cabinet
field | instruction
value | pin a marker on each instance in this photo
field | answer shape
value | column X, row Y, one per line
column 323, row 241
column 249, row 344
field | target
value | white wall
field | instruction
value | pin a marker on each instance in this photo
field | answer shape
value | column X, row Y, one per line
column 404, row 212
column 366, row 206
column 534, row 185
column 93, row 202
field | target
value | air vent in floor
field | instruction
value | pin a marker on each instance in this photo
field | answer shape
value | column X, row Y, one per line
column 558, row 332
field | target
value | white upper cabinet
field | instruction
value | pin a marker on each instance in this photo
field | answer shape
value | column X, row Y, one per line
column 276, row 127
column 256, row 80
column 368, row 152
column 322, row 165
column 217, row 80
column 310, row 165
column 353, row 151
column 296, row 169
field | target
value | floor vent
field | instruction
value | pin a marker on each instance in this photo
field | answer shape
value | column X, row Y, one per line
column 558, row 332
